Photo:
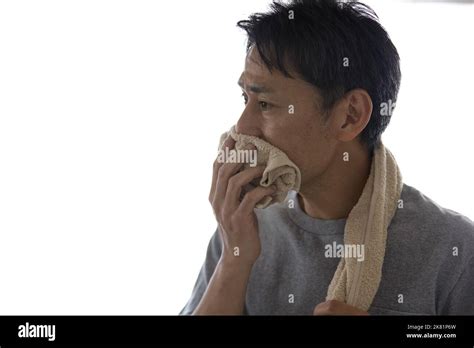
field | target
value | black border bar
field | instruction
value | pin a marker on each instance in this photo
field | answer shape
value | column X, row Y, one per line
column 139, row 330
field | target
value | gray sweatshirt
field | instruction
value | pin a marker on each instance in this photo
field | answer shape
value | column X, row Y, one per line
column 428, row 266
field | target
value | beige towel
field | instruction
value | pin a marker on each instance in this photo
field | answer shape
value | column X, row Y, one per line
column 279, row 171
column 356, row 282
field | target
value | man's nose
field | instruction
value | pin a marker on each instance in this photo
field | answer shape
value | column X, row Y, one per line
column 249, row 122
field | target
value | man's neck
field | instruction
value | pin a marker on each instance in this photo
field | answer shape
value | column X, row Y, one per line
column 334, row 194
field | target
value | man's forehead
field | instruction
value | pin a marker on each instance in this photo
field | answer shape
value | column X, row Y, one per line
column 249, row 78
column 256, row 73
column 254, row 65
column 264, row 82
column 275, row 83
column 253, row 57
column 257, row 83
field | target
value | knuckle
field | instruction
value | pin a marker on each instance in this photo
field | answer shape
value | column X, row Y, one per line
column 233, row 182
column 331, row 305
column 222, row 170
column 234, row 219
column 253, row 194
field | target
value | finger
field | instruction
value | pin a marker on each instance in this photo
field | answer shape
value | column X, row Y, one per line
column 224, row 173
column 223, row 176
column 251, row 198
column 331, row 307
column 230, row 143
column 320, row 309
column 237, row 183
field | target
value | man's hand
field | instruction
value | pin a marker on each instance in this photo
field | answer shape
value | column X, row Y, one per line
column 238, row 227
column 333, row 307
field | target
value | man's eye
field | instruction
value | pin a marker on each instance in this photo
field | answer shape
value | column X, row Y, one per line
column 264, row 105
column 245, row 98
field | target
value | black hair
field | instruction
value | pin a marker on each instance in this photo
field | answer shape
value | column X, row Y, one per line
column 335, row 46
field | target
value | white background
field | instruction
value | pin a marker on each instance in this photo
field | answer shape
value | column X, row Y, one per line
column 110, row 114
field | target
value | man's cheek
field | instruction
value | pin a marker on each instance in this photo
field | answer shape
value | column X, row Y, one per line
column 298, row 155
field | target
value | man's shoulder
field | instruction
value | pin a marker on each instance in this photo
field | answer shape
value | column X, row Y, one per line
column 422, row 217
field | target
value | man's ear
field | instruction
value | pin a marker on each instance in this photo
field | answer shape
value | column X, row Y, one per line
column 351, row 114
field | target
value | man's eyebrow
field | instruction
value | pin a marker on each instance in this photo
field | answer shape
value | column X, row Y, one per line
column 254, row 87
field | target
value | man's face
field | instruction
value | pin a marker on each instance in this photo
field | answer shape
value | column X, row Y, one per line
column 270, row 100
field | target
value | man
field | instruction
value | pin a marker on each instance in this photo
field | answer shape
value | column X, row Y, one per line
column 335, row 67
